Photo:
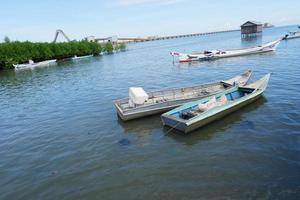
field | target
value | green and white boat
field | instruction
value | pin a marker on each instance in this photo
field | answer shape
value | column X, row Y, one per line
column 193, row 115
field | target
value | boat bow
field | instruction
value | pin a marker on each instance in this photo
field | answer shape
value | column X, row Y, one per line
column 271, row 46
column 260, row 84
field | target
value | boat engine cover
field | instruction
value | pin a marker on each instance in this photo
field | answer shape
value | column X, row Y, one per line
column 137, row 96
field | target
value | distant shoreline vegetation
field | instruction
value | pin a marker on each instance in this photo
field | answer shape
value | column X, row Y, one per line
column 21, row 52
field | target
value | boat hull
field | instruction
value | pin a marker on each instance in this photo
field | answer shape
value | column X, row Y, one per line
column 158, row 109
column 136, row 115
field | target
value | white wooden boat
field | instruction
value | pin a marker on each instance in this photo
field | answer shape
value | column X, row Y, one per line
column 292, row 35
column 81, row 57
column 32, row 64
column 196, row 114
column 141, row 104
column 216, row 54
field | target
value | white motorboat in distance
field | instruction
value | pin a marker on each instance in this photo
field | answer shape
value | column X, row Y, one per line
column 81, row 57
column 141, row 104
column 216, row 54
column 32, row 64
column 292, row 35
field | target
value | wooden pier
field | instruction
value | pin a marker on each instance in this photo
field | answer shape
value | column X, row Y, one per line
column 172, row 37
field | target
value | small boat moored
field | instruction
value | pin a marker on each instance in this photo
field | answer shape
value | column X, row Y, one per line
column 196, row 114
column 292, row 35
column 81, row 57
column 217, row 54
column 141, row 104
column 32, row 64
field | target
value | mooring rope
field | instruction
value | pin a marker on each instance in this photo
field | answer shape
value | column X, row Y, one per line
column 173, row 128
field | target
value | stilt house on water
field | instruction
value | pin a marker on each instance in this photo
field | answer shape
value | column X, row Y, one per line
column 251, row 29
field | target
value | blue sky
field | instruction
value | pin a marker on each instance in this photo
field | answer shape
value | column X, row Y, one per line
column 37, row 20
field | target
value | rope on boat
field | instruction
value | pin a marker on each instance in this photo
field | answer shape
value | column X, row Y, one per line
column 173, row 128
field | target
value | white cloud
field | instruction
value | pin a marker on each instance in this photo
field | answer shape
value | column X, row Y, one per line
column 146, row 2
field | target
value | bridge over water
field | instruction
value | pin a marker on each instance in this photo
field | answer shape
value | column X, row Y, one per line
column 171, row 37
column 138, row 39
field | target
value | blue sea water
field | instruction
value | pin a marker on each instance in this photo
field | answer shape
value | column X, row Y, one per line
column 60, row 137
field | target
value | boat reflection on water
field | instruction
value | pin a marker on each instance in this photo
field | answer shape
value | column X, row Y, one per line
column 250, row 41
column 219, row 126
column 142, row 127
column 197, row 63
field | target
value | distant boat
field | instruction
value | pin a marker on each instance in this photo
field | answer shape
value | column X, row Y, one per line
column 268, row 25
column 193, row 115
column 216, row 54
column 81, row 57
column 32, row 64
column 292, row 35
column 141, row 104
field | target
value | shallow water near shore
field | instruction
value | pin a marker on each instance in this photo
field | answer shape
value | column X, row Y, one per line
column 60, row 137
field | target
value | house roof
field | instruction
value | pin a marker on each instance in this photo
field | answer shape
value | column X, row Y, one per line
column 251, row 23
